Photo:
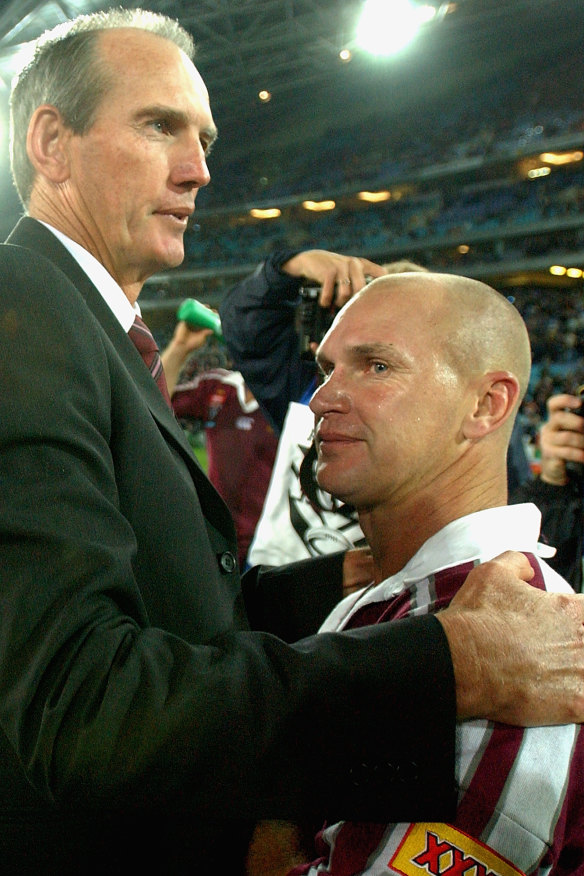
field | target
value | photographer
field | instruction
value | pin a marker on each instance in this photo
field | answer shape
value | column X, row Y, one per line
column 259, row 321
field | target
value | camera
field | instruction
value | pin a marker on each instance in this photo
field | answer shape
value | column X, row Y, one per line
column 314, row 320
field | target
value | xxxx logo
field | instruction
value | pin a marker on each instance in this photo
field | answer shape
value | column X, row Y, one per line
column 442, row 850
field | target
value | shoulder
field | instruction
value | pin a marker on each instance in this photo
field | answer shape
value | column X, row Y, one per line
column 27, row 273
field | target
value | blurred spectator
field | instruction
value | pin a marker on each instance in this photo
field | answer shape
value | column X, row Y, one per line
column 558, row 491
column 240, row 443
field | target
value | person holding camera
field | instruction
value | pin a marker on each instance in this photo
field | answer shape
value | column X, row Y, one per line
column 260, row 326
column 558, row 491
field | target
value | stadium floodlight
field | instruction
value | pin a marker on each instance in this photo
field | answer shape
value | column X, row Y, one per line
column 388, row 26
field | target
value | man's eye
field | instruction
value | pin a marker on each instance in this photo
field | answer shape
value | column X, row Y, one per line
column 161, row 126
column 378, row 367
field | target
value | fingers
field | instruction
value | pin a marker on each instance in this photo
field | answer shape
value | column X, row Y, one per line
column 498, row 578
column 372, row 269
column 190, row 338
column 507, row 564
column 339, row 276
column 345, row 277
column 517, row 651
column 566, row 444
column 562, row 436
column 561, row 401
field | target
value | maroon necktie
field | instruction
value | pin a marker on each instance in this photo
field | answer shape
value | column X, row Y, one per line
column 141, row 337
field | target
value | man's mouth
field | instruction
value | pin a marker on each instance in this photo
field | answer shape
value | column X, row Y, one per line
column 179, row 215
column 330, row 437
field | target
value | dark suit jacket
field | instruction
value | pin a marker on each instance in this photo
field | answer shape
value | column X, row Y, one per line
column 140, row 718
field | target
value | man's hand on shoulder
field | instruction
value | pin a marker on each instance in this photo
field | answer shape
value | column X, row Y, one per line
column 518, row 652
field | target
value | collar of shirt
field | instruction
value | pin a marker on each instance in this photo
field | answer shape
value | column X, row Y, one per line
column 475, row 537
column 107, row 287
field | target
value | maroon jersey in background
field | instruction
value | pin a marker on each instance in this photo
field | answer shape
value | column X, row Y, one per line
column 241, row 444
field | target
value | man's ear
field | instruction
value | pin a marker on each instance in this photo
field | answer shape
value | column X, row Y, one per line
column 496, row 397
column 46, row 144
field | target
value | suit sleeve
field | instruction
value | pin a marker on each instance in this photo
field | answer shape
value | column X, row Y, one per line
column 104, row 707
column 293, row 601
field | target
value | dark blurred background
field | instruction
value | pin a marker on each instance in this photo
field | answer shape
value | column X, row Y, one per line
column 463, row 151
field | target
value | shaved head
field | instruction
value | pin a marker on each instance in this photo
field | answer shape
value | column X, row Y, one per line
column 476, row 327
column 422, row 376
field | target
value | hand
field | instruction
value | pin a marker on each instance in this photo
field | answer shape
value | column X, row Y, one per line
column 518, row 652
column 339, row 276
column 358, row 570
column 561, row 438
column 187, row 339
column 183, row 343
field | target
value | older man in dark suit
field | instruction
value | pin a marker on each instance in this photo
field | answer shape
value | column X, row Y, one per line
column 143, row 723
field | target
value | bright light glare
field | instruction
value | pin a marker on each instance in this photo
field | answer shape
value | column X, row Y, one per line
column 387, row 26
column 268, row 213
column 537, row 172
column 318, row 206
column 374, row 197
column 562, row 157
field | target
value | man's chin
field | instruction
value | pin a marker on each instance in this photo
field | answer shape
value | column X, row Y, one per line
column 175, row 257
column 335, row 485
column 168, row 249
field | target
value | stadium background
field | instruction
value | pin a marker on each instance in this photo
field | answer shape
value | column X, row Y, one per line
column 464, row 152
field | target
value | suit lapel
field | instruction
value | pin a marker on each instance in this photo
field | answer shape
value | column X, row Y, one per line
column 33, row 235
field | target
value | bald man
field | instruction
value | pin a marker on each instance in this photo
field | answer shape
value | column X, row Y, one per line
column 422, row 377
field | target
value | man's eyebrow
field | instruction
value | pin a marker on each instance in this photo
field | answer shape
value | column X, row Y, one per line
column 376, row 348
column 176, row 116
column 362, row 351
column 158, row 109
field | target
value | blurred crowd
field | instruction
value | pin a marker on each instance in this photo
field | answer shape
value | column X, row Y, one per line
column 452, row 174
column 517, row 116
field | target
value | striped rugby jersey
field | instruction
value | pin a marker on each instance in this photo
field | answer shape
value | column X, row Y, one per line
column 521, row 792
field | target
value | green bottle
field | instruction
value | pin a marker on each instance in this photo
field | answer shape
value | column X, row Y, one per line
column 198, row 315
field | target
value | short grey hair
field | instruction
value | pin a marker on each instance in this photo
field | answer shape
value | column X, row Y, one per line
column 66, row 72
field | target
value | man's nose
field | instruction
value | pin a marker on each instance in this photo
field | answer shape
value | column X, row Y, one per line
column 331, row 395
column 191, row 167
